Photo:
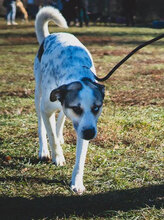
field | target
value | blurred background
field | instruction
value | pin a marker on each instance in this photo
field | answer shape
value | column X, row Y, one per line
column 128, row 12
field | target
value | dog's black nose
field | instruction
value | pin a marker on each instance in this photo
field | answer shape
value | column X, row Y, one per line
column 89, row 133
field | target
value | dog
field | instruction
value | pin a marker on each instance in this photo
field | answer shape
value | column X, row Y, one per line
column 65, row 81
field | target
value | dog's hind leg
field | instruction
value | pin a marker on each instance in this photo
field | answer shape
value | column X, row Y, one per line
column 43, row 147
column 59, row 126
column 56, row 150
column 78, row 171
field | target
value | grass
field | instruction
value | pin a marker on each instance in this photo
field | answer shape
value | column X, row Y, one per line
column 124, row 169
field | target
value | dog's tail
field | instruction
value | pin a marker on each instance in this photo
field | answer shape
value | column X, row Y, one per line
column 44, row 15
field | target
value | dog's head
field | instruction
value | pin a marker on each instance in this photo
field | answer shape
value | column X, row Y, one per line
column 82, row 103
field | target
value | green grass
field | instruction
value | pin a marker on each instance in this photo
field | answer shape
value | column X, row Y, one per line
column 124, row 169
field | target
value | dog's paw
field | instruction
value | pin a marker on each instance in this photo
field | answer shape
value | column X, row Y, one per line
column 59, row 160
column 44, row 156
column 45, row 159
column 78, row 188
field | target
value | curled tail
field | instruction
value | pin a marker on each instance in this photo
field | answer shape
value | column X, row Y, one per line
column 44, row 15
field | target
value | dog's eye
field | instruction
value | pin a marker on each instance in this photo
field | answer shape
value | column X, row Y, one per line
column 77, row 110
column 95, row 109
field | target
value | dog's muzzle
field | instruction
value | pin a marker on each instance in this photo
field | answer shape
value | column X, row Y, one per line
column 89, row 133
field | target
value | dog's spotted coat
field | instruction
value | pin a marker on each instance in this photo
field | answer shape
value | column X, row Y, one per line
column 64, row 75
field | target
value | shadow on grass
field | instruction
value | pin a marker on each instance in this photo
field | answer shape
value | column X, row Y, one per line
column 34, row 180
column 91, row 42
column 117, row 34
column 17, row 35
column 103, row 204
column 89, row 34
column 4, row 162
column 88, row 38
column 20, row 26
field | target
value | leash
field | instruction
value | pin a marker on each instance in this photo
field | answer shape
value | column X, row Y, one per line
column 127, row 57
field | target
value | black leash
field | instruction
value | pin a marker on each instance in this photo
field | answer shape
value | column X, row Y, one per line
column 127, row 57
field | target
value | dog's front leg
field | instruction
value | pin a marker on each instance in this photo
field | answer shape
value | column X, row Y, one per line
column 77, row 175
column 56, row 150
column 59, row 127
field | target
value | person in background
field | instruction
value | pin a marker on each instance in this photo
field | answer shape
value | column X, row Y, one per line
column 32, row 9
column 11, row 12
column 69, row 10
column 60, row 5
column 49, row 3
column 129, row 7
column 20, row 5
column 82, row 11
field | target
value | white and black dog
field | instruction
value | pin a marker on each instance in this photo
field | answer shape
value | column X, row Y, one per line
column 65, row 81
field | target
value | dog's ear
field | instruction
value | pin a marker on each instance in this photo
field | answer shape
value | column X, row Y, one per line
column 94, row 85
column 60, row 92
column 102, row 89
